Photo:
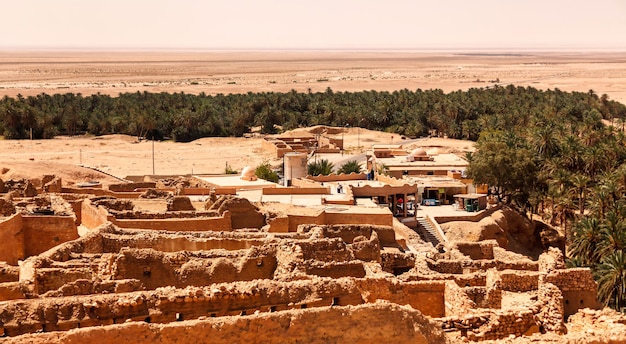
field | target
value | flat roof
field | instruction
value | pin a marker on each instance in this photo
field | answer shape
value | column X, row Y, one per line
column 235, row 181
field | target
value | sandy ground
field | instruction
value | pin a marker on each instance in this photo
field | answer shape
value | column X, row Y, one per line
column 122, row 155
column 31, row 72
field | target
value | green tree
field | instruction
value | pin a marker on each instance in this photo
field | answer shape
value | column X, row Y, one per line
column 503, row 161
column 265, row 171
column 350, row 167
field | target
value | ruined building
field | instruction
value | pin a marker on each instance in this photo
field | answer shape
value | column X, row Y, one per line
column 99, row 265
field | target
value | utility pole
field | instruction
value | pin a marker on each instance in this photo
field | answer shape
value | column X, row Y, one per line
column 153, row 155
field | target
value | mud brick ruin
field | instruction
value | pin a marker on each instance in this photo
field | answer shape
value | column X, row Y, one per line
column 105, row 265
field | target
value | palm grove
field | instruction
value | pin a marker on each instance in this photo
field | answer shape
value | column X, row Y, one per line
column 558, row 154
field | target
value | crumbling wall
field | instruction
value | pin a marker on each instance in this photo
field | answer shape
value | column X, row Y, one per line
column 180, row 269
column 6, row 207
column 396, row 262
column 350, row 324
column 427, row 297
column 92, row 215
column 456, row 300
column 113, row 242
column 492, row 325
column 179, row 203
column 41, row 233
column 519, row 281
column 169, row 304
column 549, row 309
column 578, row 287
column 12, row 240
column 476, row 250
column 130, row 187
column 448, row 266
column 244, row 214
column 347, row 233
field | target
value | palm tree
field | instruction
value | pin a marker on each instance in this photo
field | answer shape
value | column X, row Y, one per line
column 587, row 236
column 322, row 167
column 611, row 277
column 613, row 233
column 351, row 166
column 580, row 183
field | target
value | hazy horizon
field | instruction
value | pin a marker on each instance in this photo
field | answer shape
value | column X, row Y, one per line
column 346, row 25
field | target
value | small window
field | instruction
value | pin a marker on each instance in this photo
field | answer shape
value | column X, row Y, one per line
column 179, row 316
column 272, row 309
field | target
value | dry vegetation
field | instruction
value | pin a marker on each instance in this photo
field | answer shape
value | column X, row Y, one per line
column 30, row 73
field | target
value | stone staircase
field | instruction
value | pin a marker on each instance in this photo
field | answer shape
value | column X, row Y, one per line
column 429, row 233
column 107, row 173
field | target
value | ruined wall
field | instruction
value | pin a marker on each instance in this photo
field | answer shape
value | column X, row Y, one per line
column 578, row 287
column 350, row 324
column 222, row 223
column 113, row 243
column 170, row 304
column 297, row 220
column 449, row 266
column 427, row 297
column 12, row 247
column 519, row 281
column 278, row 224
column 332, row 218
column 130, row 187
column 10, row 291
column 348, row 233
column 41, row 233
column 93, row 216
column 476, row 250
column 457, row 303
column 180, row 269
column 550, row 310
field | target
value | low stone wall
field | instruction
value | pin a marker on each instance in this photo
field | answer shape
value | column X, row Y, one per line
column 297, row 191
column 222, row 223
column 358, row 218
column 476, row 279
column 131, row 187
column 468, row 266
column 519, row 281
column 342, row 177
column 493, row 326
column 113, row 243
column 468, row 216
column 476, row 250
column 139, row 215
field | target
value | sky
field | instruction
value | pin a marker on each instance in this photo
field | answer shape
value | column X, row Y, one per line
column 313, row 24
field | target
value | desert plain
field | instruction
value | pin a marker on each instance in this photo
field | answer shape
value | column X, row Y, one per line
column 213, row 72
column 32, row 73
